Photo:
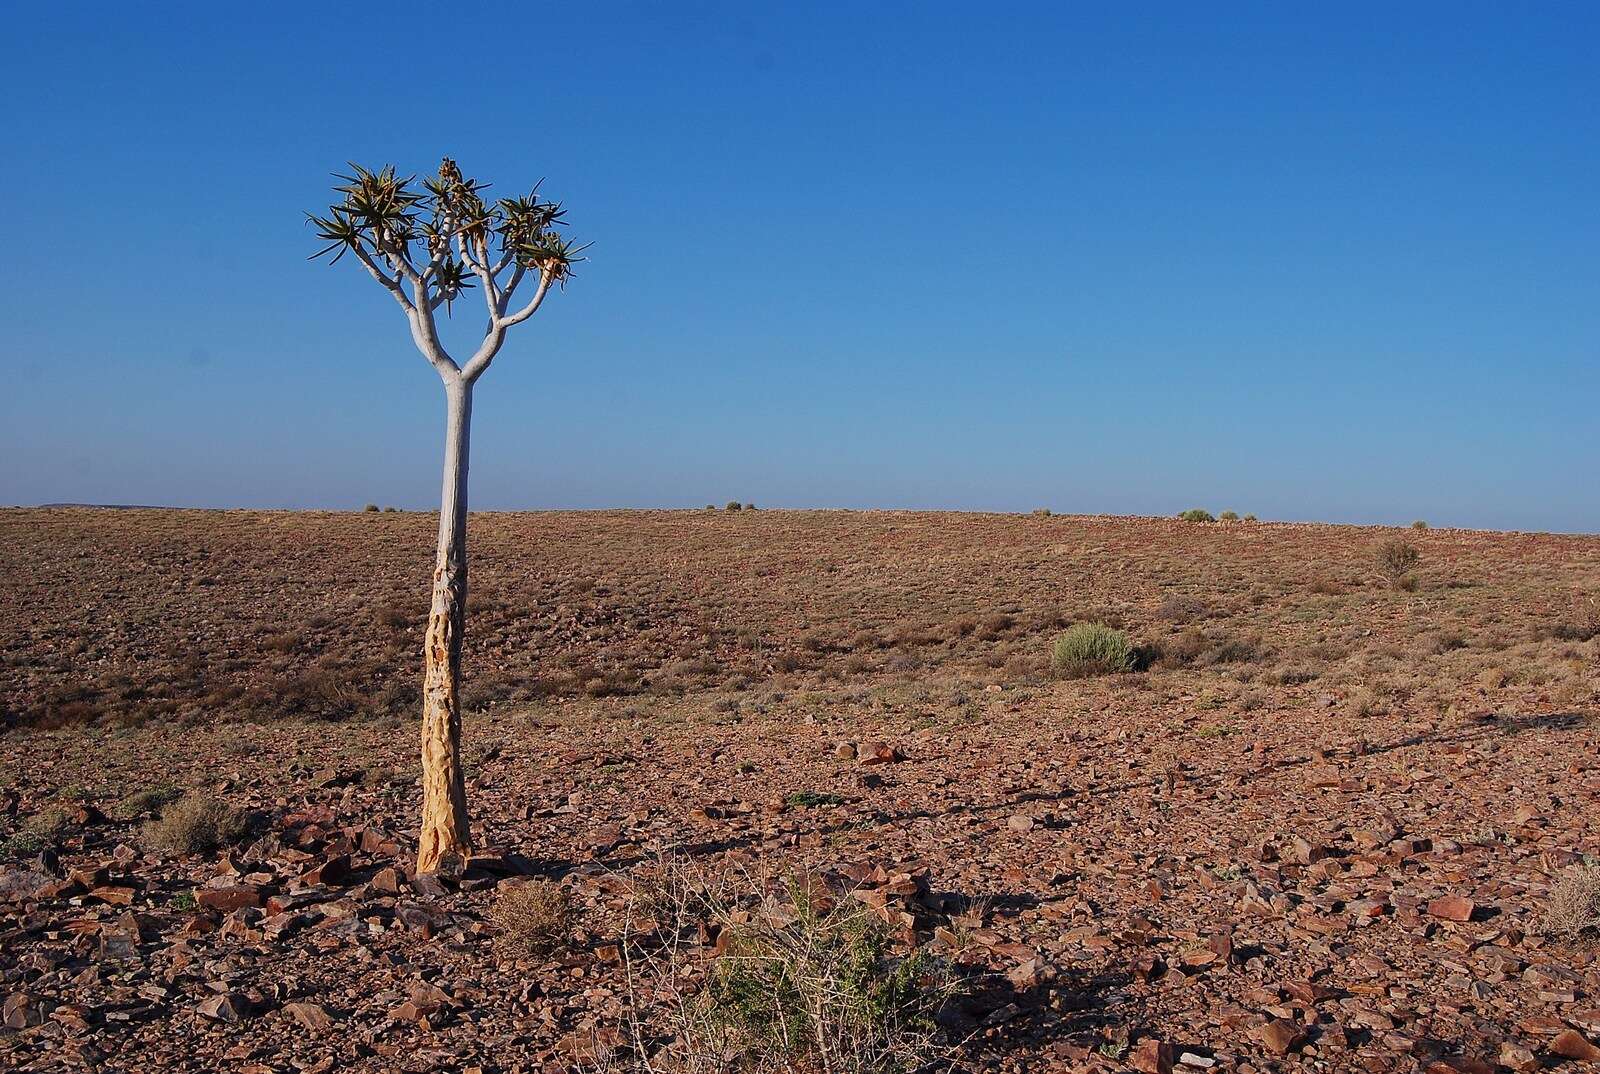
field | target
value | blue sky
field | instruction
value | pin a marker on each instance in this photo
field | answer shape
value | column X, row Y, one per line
column 1335, row 263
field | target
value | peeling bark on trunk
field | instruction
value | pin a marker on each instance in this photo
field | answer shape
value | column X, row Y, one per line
column 445, row 835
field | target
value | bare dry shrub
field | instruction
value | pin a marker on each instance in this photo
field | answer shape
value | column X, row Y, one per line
column 1181, row 609
column 1573, row 904
column 534, row 917
column 198, row 824
column 1397, row 559
column 1582, row 621
column 804, row 979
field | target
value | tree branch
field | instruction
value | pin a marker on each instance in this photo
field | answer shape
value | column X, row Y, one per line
column 384, row 278
column 509, row 289
column 490, row 346
column 528, row 311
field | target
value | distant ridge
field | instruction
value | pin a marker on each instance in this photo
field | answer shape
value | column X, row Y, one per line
column 115, row 506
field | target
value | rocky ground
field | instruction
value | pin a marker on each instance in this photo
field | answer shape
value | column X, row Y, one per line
column 1331, row 854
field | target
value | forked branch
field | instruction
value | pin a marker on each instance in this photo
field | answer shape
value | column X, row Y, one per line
column 388, row 224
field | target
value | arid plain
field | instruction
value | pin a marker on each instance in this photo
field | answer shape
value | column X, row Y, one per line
column 1317, row 825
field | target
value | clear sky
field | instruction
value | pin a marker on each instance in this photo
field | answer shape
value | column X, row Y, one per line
column 1334, row 262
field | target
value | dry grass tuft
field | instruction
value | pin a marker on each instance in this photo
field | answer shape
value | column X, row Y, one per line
column 198, row 824
column 534, row 917
column 1574, row 903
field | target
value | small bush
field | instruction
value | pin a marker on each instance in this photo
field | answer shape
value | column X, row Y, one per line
column 1397, row 559
column 1229, row 516
column 1091, row 649
column 1041, row 512
column 1181, row 609
column 149, row 800
column 1573, row 904
column 533, row 918
column 37, row 832
column 1196, row 514
column 1582, row 622
column 198, row 824
column 734, row 505
column 371, row 508
column 1419, row 525
column 1250, row 518
column 812, row 984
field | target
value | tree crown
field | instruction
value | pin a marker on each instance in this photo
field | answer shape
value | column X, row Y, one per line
column 428, row 244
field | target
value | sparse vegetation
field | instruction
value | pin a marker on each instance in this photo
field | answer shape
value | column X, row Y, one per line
column 533, row 917
column 1091, row 649
column 1196, row 514
column 1229, row 516
column 1396, row 560
column 811, row 799
column 197, row 824
column 805, row 979
column 1573, row 905
column 734, row 505
column 149, row 800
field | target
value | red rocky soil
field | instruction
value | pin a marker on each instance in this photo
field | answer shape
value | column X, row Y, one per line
column 1326, row 848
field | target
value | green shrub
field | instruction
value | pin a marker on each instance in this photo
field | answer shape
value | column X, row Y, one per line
column 1196, row 514
column 809, row 984
column 1419, row 525
column 1250, row 518
column 1091, row 649
column 371, row 507
column 1041, row 512
column 1229, row 516
column 734, row 505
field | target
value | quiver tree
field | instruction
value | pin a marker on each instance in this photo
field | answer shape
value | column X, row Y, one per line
column 427, row 247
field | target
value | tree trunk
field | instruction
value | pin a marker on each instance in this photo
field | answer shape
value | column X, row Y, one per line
column 444, row 793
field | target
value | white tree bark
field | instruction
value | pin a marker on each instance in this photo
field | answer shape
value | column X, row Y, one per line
column 445, row 834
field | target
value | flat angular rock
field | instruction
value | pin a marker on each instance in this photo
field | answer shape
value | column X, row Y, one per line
column 228, row 898
column 228, row 1007
column 1282, row 1036
column 312, row 1016
column 1151, row 1056
column 1570, row 1044
column 1452, row 908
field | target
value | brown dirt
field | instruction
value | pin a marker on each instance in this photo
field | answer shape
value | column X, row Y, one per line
column 1278, row 822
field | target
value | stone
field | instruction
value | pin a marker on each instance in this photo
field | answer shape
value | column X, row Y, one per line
column 228, row 1007
column 386, row 881
column 1151, row 1056
column 332, row 871
column 1020, row 822
column 1282, row 1036
column 313, row 1016
column 1514, row 1056
column 228, row 898
column 876, row 753
column 425, row 1004
column 1452, row 908
column 1570, row 1044
column 19, row 1011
